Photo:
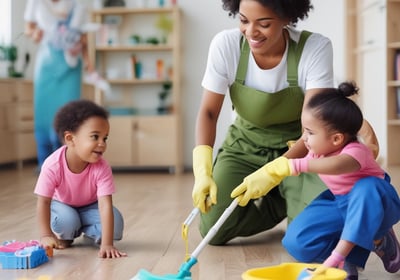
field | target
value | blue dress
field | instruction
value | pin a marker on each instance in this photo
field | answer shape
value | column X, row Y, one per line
column 55, row 84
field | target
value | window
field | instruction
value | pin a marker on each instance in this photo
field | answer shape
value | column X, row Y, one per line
column 5, row 22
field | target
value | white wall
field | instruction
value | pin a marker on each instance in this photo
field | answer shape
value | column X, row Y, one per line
column 201, row 21
column 328, row 18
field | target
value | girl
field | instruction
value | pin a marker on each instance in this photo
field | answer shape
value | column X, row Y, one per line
column 356, row 215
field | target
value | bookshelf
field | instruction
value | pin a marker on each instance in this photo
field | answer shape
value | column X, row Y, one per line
column 393, row 82
column 145, row 129
column 373, row 40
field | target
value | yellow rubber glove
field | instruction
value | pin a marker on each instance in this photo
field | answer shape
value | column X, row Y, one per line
column 204, row 185
column 260, row 182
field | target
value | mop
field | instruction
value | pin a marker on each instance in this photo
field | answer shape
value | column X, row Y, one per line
column 184, row 271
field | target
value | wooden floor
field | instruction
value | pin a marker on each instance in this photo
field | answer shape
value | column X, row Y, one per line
column 154, row 206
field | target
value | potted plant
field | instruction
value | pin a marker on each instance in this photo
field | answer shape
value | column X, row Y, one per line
column 165, row 24
column 10, row 55
column 166, row 90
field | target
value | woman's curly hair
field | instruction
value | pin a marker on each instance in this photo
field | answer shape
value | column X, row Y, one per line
column 294, row 10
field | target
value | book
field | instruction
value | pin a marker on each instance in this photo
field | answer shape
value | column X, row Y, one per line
column 397, row 65
column 398, row 102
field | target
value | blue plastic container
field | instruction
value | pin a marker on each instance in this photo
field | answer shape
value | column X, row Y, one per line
column 25, row 256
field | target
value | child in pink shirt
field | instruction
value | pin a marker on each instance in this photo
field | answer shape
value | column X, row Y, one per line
column 75, row 185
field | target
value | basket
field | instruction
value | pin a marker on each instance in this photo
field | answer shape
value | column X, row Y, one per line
column 291, row 271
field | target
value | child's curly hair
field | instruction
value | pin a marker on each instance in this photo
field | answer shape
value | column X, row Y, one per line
column 72, row 115
column 293, row 10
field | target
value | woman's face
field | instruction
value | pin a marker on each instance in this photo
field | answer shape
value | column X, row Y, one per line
column 262, row 27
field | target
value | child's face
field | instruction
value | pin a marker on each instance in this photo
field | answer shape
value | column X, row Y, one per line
column 88, row 144
column 316, row 136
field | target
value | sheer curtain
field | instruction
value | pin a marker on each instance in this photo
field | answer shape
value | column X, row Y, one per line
column 5, row 22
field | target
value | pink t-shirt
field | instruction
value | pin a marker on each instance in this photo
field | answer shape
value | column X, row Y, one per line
column 58, row 182
column 342, row 184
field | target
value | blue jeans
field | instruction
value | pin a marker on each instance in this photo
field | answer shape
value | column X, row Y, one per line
column 363, row 215
column 70, row 222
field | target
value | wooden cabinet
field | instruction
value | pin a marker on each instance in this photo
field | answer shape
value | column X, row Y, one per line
column 138, row 61
column 373, row 39
column 16, row 121
column 152, row 141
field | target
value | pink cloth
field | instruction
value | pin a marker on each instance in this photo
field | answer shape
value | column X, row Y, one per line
column 58, row 182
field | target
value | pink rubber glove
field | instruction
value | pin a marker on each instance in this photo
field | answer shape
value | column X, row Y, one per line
column 298, row 165
column 334, row 260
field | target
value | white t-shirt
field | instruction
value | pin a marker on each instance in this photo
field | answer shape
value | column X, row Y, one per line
column 315, row 67
column 40, row 12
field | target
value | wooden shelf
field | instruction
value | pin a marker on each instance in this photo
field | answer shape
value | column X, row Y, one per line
column 394, row 45
column 134, row 48
column 393, row 83
column 136, row 81
column 129, row 11
column 394, row 122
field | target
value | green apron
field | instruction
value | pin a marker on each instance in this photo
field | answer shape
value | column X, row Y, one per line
column 264, row 124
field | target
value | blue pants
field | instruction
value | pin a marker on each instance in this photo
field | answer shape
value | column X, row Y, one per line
column 363, row 215
column 70, row 222
column 55, row 84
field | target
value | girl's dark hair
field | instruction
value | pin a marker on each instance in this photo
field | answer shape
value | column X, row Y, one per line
column 72, row 115
column 293, row 10
column 337, row 111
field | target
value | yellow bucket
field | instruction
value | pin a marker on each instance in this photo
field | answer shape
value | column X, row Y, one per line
column 290, row 271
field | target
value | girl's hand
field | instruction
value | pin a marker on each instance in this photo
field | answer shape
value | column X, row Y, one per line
column 110, row 252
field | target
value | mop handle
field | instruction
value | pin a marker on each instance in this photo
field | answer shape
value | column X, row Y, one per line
column 213, row 231
column 191, row 216
column 194, row 213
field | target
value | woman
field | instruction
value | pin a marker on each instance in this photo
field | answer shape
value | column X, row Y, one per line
column 270, row 70
column 58, row 68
